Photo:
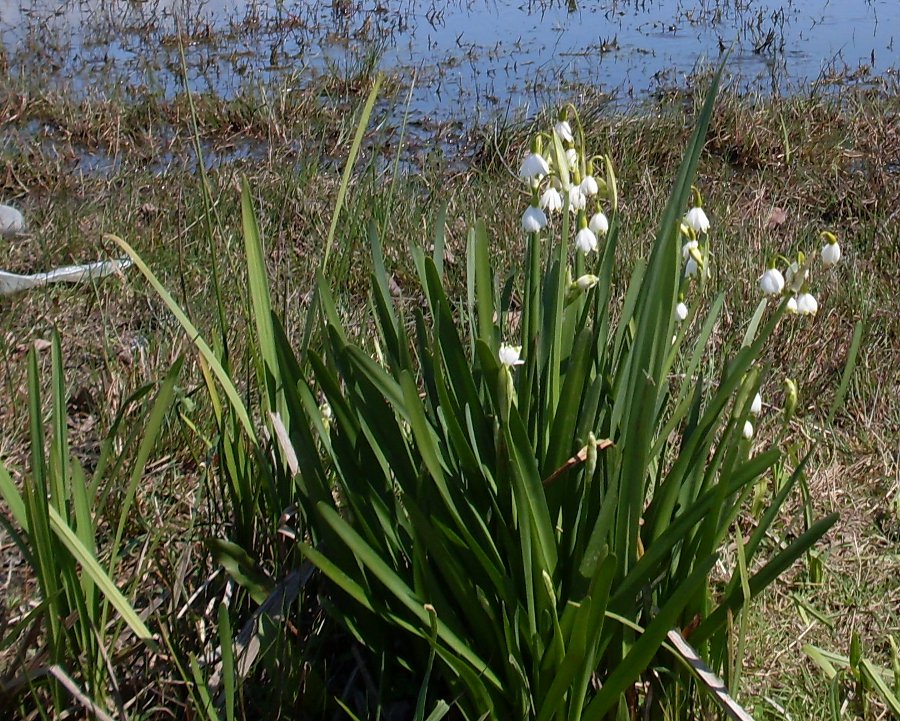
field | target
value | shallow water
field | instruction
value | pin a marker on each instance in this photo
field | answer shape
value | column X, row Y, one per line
column 470, row 59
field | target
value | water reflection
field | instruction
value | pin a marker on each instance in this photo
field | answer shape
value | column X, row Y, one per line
column 481, row 56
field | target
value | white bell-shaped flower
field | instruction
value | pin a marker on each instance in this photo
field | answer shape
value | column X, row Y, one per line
column 551, row 200
column 589, row 186
column 807, row 304
column 691, row 268
column 564, row 131
column 681, row 311
column 756, row 405
column 577, row 201
column 533, row 219
column 599, row 224
column 696, row 219
column 585, row 240
column 792, row 304
column 772, row 282
column 572, row 158
column 509, row 355
column 831, row 253
column 534, row 167
column 748, row 430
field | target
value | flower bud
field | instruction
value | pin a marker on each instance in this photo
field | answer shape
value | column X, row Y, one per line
column 790, row 398
column 586, row 282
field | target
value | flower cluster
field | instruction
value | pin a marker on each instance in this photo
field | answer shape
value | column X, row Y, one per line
column 562, row 181
column 559, row 180
column 794, row 282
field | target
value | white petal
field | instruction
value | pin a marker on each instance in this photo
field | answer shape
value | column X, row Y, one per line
column 599, row 224
column 551, row 200
column 533, row 166
column 771, row 282
column 589, row 186
column 577, row 201
column 807, row 304
column 533, row 219
column 690, row 268
column 681, row 311
column 687, row 247
column 586, row 241
column 831, row 253
column 509, row 355
column 696, row 219
column 756, row 405
column 564, row 131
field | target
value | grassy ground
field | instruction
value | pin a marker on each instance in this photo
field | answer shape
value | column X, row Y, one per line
column 773, row 174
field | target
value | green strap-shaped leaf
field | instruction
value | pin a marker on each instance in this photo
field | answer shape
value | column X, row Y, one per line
column 647, row 645
column 209, row 356
column 762, row 578
column 402, row 591
column 89, row 564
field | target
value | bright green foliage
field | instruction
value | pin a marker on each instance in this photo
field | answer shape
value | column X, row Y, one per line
column 82, row 609
column 469, row 507
column 466, row 513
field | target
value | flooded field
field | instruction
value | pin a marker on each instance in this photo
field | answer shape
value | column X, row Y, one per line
column 468, row 59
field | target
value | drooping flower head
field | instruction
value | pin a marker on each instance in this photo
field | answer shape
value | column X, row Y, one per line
column 681, row 311
column 585, row 240
column 586, row 282
column 756, row 405
column 533, row 168
column 747, row 431
column 577, row 201
column 599, row 224
column 807, row 304
column 772, row 282
column 831, row 251
column 551, row 201
column 533, row 219
column 589, row 186
column 696, row 219
column 564, row 131
column 509, row 355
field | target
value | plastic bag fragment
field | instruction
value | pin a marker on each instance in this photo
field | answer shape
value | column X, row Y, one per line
column 13, row 282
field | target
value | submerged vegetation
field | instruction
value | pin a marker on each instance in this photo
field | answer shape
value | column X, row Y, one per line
column 373, row 478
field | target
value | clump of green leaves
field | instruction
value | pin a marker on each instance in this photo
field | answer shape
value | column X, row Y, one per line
column 83, row 615
column 530, row 532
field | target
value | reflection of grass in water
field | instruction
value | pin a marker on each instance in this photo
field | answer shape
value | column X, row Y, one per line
column 825, row 161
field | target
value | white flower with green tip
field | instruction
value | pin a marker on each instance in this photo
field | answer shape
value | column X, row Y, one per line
column 772, row 282
column 534, row 167
column 533, row 219
column 551, row 200
column 585, row 240
column 599, row 224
